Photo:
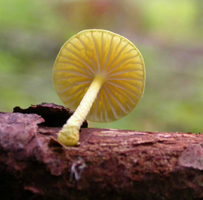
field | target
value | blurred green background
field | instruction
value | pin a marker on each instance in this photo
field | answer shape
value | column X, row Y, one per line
column 169, row 34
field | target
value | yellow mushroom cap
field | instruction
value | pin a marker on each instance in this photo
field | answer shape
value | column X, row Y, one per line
column 100, row 52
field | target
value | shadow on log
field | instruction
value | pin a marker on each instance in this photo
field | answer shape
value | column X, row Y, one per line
column 108, row 164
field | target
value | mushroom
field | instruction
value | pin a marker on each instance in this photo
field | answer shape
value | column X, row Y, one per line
column 101, row 76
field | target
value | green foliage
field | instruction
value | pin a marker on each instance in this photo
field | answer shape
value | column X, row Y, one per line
column 22, row 14
column 171, row 19
column 168, row 34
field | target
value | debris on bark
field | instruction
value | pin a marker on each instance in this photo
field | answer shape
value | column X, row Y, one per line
column 54, row 115
column 108, row 164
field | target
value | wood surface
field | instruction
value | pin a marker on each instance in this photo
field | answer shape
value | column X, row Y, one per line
column 108, row 163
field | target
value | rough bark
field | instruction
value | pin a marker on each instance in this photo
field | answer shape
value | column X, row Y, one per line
column 108, row 164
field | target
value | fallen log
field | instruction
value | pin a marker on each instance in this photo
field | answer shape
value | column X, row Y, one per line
column 108, row 163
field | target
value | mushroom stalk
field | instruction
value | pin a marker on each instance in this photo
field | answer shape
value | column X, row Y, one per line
column 69, row 134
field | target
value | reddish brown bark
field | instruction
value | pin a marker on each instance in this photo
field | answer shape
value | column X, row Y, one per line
column 108, row 164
